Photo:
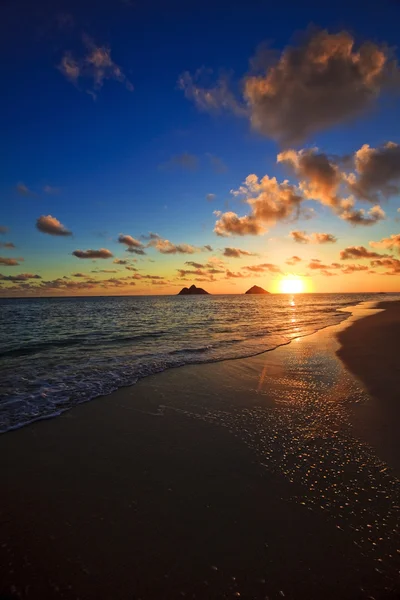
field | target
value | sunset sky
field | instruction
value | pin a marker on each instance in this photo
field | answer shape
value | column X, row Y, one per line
column 147, row 146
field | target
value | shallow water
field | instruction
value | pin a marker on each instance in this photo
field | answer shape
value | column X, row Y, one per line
column 58, row 352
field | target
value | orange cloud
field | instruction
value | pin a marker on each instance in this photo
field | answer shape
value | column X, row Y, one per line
column 237, row 252
column 301, row 237
column 323, row 81
column 293, row 261
column 96, row 65
column 263, row 267
column 167, row 247
column 102, row 253
column 52, row 226
column 134, row 246
column 391, row 243
column 359, row 252
column 390, row 263
column 319, row 83
column 20, row 277
column 9, row 262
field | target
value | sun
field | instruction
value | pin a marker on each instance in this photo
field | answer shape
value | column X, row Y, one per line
column 291, row 285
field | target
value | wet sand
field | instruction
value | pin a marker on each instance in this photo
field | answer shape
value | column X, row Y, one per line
column 245, row 478
column 370, row 349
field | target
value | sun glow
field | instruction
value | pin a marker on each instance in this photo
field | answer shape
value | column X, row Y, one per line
column 291, row 285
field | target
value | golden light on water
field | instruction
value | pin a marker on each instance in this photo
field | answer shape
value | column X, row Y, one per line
column 291, row 285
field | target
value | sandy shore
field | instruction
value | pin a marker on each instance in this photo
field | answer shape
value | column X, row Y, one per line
column 239, row 479
column 370, row 349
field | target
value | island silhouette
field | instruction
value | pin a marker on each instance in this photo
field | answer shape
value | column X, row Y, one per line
column 192, row 291
column 256, row 290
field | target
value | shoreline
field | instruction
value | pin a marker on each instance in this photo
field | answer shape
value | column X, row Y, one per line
column 62, row 411
column 195, row 483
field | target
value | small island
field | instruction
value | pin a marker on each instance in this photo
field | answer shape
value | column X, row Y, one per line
column 192, row 291
column 256, row 290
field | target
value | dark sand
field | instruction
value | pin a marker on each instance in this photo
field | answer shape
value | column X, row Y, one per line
column 147, row 493
column 370, row 349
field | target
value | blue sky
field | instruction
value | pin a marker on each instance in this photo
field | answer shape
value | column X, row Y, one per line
column 114, row 157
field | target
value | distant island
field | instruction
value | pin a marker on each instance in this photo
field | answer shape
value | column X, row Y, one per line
column 193, row 291
column 256, row 290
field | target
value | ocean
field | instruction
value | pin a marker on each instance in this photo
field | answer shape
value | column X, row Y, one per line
column 59, row 352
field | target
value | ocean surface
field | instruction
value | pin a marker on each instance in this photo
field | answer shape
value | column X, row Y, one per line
column 58, row 352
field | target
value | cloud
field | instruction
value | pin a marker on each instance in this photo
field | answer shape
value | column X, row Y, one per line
column 7, row 245
column 263, row 267
column 359, row 252
column 320, row 176
column 52, row 226
column 80, row 274
column 378, row 172
column 319, row 83
column 210, row 97
column 391, row 243
column 237, row 252
column 210, row 197
column 269, row 200
column 3, row 229
column 185, row 161
column 96, row 66
column 134, row 246
column 390, row 263
column 119, row 261
column 350, row 269
column 301, row 237
column 217, row 164
column 23, row 190
column 361, row 217
column 293, row 261
column 129, row 268
column 167, row 247
column 316, row 264
column 230, row 223
column 49, row 189
column 9, row 262
column 231, row 275
column 102, row 253
column 20, row 277
column 322, row 81
column 195, row 265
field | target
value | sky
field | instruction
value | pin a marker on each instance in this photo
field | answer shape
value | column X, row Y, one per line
column 148, row 146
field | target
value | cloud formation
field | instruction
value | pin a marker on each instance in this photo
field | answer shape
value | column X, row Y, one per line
column 359, row 252
column 133, row 245
column 301, row 237
column 390, row 243
column 269, row 200
column 322, row 81
column 262, row 268
column 378, row 172
column 210, row 197
column 237, row 252
column 389, row 263
column 209, row 96
column 96, row 65
column 20, row 277
column 167, row 247
column 102, row 253
column 293, row 260
column 9, row 262
column 52, row 226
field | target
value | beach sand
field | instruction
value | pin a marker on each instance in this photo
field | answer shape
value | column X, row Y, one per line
column 247, row 478
column 370, row 349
